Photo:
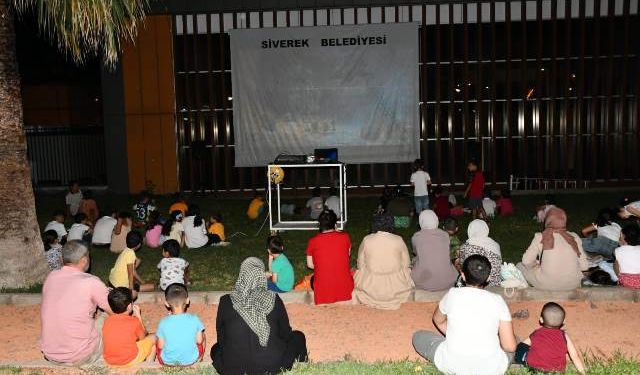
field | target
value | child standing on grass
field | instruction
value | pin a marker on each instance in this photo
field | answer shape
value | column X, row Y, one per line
column 142, row 209
column 256, row 207
column 547, row 347
column 475, row 191
column 420, row 180
column 52, row 249
column 73, row 198
column 181, row 337
column 154, row 230
column 124, row 274
column 173, row 269
column 280, row 276
column 125, row 339
column 450, row 226
column 57, row 224
column 81, row 229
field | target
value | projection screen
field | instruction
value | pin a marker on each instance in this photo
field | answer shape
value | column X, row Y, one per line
column 351, row 87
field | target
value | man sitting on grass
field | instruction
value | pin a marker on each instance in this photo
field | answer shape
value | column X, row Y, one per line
column 70, row 333
column 476, row 323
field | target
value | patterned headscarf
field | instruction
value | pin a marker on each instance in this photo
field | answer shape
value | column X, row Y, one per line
column 556, row 222
column 251, row 299
column 478, row 232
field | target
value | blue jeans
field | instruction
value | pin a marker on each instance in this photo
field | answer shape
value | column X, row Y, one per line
column 273, row 287
column 422, row 203
column 600, row 245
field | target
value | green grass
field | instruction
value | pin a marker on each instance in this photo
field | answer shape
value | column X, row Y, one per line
column 616, row 365
column 217, row 268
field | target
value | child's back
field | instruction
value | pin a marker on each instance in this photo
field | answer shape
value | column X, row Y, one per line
column 178, row 332
column 548, row 350
column 172, row 271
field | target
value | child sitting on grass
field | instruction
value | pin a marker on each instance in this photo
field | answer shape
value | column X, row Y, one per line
column 57, row 224
column 547, row 347
column 280, row 276
column 181, row 338
column 142, row 209
column 450, row 226
column 441, row 205
column 125, row 339
column 504, row 203
column 488, row 204
column 216, row 228
column 172, row 229
column 256, row 207
column 124, row 274
column 52, row 249
column 154, row 230
column 81, row 228
column 315, row 204
column 173, row 269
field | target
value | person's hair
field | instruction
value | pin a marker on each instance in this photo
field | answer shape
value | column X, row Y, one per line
column 476, row 269
column 505, row 193
column 550, row 199
column 79, row 217
column 275, row 244
column 49, row 237
column 605, row 217
column 487, row 193
column 472, row 162
column 73, row 251
column 124, row 215
column 87, row 194
column 623, row 202
column 172, row 247
column 417, row 164
column 154, row 219
column 144, row 195
column 327, row 220
column 178, row 197
column 119, row 299
column 176, row 294
column 194, row 211
column 217, row 217
column 73, row 182
column 438, row 190
column 552, row 315
column 316, row 192
column 57, row 213
column 450, row 224
column 631, row 234
column 333, row 191
column 258, row 194
column 383, row 223
column 601, row 277
column 168, row 224
column 134, row 239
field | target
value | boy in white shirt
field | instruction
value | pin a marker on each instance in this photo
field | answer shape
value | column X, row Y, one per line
column 73, row 198
column 315, row 204
column 420, row 180
column 57, row 224
column 81, row 229
column 103, row 229
column 489, row 205
column 333, row 202
column 476, row 325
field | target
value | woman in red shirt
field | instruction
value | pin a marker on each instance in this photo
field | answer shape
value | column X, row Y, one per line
column 328, row 255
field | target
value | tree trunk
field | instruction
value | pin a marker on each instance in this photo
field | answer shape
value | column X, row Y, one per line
column 22, row 261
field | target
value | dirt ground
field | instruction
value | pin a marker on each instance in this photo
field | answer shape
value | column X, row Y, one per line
column 358, row 332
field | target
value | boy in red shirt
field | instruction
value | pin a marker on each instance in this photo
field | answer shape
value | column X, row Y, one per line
column 475, row 191
column 126, row 341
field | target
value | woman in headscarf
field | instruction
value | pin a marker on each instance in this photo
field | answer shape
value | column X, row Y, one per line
column 480, row 243
column 383, row 279
column 432, row 269
column 555, row 259
column 254, row 335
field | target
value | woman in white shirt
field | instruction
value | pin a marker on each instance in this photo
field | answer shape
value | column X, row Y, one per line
column 627, row 265
column 607, row 234
column 195, row 230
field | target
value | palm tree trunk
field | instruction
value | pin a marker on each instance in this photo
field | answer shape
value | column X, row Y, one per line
column 22, row 261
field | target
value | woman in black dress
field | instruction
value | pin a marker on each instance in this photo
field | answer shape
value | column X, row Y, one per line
column 254, row 335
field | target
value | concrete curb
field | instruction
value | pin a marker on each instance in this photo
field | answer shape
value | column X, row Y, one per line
column 306, row 297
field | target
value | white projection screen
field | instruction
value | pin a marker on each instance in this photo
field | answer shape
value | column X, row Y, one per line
column 350, row 87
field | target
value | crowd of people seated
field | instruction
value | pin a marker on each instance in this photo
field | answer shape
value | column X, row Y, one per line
column 253, row 331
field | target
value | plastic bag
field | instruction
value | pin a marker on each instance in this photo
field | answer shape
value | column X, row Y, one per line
column 512, row 277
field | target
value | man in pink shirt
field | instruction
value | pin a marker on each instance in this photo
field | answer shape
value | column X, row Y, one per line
column 70, row 296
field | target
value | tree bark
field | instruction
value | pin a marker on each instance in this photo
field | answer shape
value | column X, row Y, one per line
column 22, row 261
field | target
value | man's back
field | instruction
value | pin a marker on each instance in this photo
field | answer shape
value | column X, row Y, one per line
column 69, row 301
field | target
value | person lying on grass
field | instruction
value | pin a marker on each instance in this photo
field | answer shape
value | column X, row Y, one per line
column 181, row 338
column 475, row 324
column 123, row 273
column 547, row 347
column 126, row 340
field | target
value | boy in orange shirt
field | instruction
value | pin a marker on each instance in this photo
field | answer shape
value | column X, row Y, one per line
column 126, row 341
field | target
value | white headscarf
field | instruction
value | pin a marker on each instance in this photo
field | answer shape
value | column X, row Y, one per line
column 428, row 220
column 478, row 232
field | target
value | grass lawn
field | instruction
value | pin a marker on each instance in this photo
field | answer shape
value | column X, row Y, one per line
column 217, row 268
column 616, row 365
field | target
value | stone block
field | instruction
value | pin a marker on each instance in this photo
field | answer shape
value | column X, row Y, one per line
column 213, row 298
column 26, row 299
column 610, row 294
column 426, row 296
column 533, row 294
column 301, row 297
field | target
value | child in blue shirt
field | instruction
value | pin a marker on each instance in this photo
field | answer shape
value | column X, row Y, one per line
column 280, row 276
column 181, row 338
